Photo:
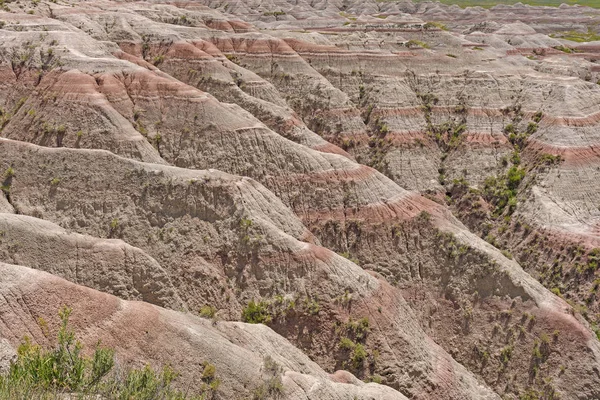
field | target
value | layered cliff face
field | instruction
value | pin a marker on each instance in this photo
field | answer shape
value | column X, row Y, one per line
column 403, row 193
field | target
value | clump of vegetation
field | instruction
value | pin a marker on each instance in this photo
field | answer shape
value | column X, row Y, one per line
column 157, row 60
column 506, row 354
column 501, row 191
column 279, row 308
column 256, row 313
column 353, row 336
column 9, row 173
column 435, row 25
column 550, row 159
column 576, row 36
column 246, row 226
column 43, row 373
column 359, row 328
column 7, row 182
column 358, row 353
column 114, row 225
column 208, row 312
column 411, row 44
column 564, row 49
column 379, row 145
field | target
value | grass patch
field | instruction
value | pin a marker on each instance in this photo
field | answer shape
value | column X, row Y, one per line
column 564, row 49
column 411, row 44
column 65, row 372
column 576, row 36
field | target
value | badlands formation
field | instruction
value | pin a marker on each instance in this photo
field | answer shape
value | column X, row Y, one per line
column 383, row 199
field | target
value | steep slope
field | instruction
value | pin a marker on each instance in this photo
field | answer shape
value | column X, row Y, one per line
column 143, row 333
column 111, row 266
column 207, row 226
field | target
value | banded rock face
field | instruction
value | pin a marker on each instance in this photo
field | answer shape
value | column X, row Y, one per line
column 140, row 331
column 214, row 153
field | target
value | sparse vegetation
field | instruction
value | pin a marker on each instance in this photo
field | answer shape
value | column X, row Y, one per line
column 272, row 385
column 564, row 49
column 577, row 36
column 64, row 371
column 411, row 44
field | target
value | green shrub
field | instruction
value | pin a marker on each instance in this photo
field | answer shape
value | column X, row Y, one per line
column 550, row 159
column 433, row 25
column 256, row 313
column 506, row 354
column 114, row 224
column 347, row 344
column 359, row 328
column 358, row 355
column 531, row 128
column 208, row 312
column 515, row 175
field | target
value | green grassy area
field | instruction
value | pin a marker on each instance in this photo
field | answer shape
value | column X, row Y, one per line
column 575, row 36
column 491, row 3
column 64, row 372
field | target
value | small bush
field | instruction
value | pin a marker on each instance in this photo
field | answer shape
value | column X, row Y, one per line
column 434, row 25
column 209, row 372
column 256, row 313
column 347, row 344
column 506, row 354
column 358, row 355
column 114, row 224
column 208, row 312
column 515, row 175
column 359, row 328
column 550, row 159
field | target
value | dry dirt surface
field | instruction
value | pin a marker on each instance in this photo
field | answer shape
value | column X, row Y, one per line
column 408, row 191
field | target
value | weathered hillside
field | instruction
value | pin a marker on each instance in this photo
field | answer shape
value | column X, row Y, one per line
column 405, row 194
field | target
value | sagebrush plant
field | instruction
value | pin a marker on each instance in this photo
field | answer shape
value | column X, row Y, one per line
column 64, row 370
